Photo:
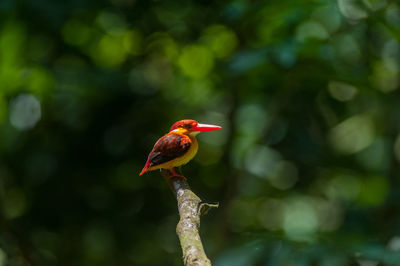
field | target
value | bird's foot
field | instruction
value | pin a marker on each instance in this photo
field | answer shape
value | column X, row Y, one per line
column 180, row 176
column 175, row 174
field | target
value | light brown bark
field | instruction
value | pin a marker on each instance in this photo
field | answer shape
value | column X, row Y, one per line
column 190, row 209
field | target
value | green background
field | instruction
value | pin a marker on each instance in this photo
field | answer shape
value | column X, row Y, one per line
column 306, row 167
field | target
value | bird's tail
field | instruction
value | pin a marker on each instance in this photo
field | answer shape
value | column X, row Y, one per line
column 145, row 168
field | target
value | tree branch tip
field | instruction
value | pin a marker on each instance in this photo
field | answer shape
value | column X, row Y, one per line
column 204, row 207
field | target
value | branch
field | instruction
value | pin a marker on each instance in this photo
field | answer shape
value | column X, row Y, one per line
column 190, row 209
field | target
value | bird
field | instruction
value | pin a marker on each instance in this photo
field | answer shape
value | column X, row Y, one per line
column 177, row 147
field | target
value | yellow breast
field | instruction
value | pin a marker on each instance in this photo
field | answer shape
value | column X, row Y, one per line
column 189, row 154
column 180, row 160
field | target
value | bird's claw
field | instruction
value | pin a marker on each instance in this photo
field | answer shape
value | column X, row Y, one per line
column 175, row 174
column 179, row 176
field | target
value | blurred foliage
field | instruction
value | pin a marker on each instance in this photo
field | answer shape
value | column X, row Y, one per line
column 306, row 168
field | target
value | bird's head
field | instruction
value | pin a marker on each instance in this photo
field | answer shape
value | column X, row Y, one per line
column 191, row 127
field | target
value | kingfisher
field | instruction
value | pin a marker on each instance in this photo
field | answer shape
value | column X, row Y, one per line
column 177, row 147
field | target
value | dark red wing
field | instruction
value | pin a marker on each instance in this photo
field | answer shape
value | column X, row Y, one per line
column 169, row 147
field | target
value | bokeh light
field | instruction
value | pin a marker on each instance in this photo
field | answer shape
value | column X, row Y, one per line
column 353, row 134
column 351, row 9
column 25, row 111
column 196, row 61
column 300, row 220
column 341, row 91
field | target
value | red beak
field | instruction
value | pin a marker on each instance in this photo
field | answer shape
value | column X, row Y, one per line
column 205, row 127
